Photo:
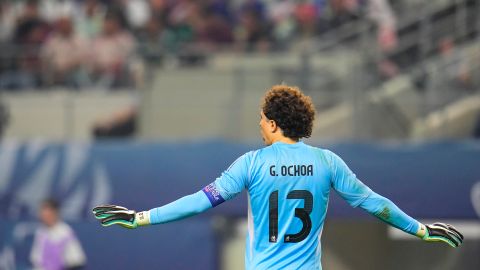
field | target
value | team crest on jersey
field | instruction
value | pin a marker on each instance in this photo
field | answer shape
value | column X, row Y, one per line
column 213, row 195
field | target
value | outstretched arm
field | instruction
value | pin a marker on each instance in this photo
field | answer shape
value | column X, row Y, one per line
column 387, row 211
column 227, row 186
column 182, row 208
column 357, row 193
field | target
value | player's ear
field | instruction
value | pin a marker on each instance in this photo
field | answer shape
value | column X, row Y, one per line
column 273, row 126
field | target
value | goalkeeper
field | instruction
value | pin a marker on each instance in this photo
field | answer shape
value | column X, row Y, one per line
column 288, row 184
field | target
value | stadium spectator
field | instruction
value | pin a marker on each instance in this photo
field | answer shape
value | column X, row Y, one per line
column 220, row 8
column 380, row 12
column 159, row 10
column 340, row 12
column 214, row 31
column 53, row 10
column 281, row 14
column 29, row 34
column 152, row 38
column 137, row 13
column 55, row 246
column 451, row 79
column 7, row 25
column 306, row 15
column 255, row 6
column 7, row 21
column 253, row 32
column 30, row 23
column 89, row 19
column 110, row 53
column 63, row 55
column 335, row 13
column 181, row 20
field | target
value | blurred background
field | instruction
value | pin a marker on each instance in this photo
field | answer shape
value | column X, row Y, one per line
column 140, row 102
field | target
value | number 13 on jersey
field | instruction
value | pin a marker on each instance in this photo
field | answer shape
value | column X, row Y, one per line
column 302, row 213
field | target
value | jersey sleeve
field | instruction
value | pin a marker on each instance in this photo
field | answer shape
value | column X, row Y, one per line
column 228, row 185
column 345, row 182
column 182, row 208
column 385, row 210
column 232, row 181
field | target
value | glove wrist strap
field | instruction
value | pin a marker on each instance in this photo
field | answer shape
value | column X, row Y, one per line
column 422, row 231
column 142, row 218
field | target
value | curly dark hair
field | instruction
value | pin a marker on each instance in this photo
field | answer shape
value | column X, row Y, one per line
column 292, row 110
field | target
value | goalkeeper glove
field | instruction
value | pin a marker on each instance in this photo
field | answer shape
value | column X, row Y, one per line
column 113, row 214
column 440, row 232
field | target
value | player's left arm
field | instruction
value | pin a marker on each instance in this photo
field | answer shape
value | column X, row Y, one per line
column 226, row 187
column 356, row 193
column 387, row 211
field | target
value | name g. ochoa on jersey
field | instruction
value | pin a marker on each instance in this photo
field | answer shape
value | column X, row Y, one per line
column 291, row 170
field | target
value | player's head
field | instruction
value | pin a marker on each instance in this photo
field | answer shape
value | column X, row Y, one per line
column 286, row 112
column 49, row 212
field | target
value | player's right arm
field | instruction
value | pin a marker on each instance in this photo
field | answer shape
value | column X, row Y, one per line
column 227, row 186
column 356, row 193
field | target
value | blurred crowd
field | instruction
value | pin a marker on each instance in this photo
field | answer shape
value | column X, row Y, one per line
column 79, row 43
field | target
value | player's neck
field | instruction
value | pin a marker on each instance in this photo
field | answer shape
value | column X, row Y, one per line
column 284, row 139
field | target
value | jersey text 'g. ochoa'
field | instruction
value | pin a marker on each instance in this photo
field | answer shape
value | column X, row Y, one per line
column 292, row 170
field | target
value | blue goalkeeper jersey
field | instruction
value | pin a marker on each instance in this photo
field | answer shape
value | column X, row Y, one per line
column 288, row 190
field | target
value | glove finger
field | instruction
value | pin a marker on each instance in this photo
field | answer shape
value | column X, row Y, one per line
column 108, row 207
column 440, row 233
column 103, row 207
column 126, row 224
column 456, row 231
column 457, row 237
column 109, row 211
column 451, row 231
column 119, row 217
column 115, row 212
column 122, row 223
column 449, row 242
column 442, row 239
column 102, row 215
column 454, row 240
column 122, row 214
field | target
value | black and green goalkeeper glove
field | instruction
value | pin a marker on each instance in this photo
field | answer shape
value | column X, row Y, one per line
column 114, row 214
column 440, row 232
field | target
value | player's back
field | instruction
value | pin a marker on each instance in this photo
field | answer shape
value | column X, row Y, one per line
column 288, row 195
